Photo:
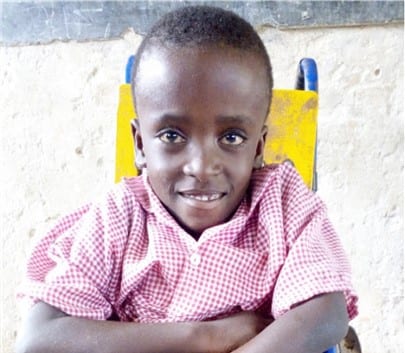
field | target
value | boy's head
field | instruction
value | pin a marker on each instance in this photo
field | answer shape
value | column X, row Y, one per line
column 202, row 87
column 204, row 27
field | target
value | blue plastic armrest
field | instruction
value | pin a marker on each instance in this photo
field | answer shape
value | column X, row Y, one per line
column 307, row 76
column 128, row 69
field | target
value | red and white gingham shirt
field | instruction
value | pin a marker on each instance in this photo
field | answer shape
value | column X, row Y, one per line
column 125, row 255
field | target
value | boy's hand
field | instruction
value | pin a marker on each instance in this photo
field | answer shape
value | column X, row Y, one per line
column 232, row 332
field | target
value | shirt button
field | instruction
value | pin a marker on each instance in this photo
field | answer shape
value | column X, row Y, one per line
column 195, row 259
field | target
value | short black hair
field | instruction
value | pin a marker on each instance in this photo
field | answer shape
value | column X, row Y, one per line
column 199, row 26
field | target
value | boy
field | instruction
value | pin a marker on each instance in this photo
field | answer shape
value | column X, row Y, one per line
column 209, row 250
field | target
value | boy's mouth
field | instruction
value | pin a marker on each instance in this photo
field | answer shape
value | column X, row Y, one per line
column 202, row 196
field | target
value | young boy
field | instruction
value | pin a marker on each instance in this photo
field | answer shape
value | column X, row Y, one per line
column 208, row 250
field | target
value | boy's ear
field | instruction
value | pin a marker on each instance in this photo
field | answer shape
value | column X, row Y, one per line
column 259, row 158
column 140, row 160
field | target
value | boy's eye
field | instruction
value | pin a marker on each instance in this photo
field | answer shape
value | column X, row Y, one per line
column 171, row 137
column 233, row 139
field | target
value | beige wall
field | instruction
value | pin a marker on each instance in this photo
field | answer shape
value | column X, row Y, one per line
column 58, row 106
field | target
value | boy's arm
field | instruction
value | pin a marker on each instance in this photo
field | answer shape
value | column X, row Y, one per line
column 47, row 329
column 311, row 327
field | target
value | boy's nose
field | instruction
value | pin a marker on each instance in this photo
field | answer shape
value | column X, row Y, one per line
column 203, row 164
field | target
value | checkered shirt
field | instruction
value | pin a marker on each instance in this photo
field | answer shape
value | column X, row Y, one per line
column 125, row 255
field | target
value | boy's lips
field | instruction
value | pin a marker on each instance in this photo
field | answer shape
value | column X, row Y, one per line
column 202, row 196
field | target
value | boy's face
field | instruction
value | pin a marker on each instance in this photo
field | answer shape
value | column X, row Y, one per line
column 200, row 130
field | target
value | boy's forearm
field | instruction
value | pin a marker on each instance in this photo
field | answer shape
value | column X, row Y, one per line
column 76, row 336
column 312, row 327
column 60, row 334
column 47, row 329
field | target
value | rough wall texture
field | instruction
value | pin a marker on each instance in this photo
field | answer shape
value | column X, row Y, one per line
column 58, row 105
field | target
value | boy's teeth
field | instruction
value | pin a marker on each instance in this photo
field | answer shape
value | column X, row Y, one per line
column 204, row 197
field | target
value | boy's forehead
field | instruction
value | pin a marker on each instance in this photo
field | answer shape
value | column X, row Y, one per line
column 179, row 66
column 203, row 82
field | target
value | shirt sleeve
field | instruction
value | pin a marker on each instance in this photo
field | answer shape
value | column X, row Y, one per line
column 316, row 262
column 76, row 265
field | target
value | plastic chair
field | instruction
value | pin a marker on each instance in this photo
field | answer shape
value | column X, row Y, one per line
column 292, row 124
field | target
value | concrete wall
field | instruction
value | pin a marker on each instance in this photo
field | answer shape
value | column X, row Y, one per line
column 58, row 107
